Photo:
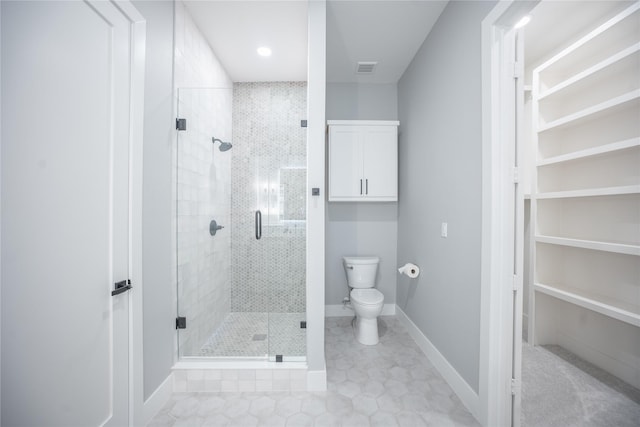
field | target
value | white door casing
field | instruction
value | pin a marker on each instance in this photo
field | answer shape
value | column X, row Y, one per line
column 502, row 227
column 68, row 150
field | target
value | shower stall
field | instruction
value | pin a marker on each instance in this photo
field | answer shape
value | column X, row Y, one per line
column 241, row 222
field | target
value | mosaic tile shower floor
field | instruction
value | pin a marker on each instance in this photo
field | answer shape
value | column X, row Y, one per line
column 258, row 335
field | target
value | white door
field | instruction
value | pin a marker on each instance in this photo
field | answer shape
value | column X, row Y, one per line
column 66, row 76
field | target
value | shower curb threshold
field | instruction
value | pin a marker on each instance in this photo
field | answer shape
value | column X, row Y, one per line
column 236, row 364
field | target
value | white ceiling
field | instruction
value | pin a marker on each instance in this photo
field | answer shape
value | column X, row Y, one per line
column 389, row 32
column 236, row 28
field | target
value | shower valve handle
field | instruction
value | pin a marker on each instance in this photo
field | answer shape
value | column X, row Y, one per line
column 214, row 227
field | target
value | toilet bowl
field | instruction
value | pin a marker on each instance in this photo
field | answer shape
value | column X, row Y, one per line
column 366, row 301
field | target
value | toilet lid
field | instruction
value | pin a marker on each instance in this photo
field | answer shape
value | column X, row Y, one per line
column 367, row 296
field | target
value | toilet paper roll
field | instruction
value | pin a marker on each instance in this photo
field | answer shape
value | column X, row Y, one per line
column 410, row 270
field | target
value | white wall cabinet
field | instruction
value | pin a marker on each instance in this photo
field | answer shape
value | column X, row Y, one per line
column 586, row 198
column 363, row 161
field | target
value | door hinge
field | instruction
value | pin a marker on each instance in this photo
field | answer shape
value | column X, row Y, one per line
column 181, row 124
column 303, row 324
column 181, row 323
column 517, row 70
column 515, row 173
column 515, row 386
column 517, row 283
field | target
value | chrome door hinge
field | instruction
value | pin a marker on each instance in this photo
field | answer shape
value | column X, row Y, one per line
column 515, row 174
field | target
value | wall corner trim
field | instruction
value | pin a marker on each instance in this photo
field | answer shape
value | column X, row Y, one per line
column 157, row 400
column 464, row 391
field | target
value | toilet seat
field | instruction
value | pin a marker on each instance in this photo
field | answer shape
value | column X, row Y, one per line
column 367, row 296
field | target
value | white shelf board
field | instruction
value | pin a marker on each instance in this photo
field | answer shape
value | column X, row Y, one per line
column 591, row 192
column 591, row 112
column 591, row 152
column 590, row 71
column 624, row 312
column 590, row 36
column 595, row 245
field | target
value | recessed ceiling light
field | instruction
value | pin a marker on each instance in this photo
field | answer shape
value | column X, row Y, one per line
column 523, row 21
column 264, row 51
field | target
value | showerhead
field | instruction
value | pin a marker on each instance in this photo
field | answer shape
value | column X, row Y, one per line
column 224, row 146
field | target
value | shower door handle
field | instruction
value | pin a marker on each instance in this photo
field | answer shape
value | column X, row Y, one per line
column 258, row 224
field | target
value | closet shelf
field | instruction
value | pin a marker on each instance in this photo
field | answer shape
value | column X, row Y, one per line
column 593, row 112
column 591, row 192
column 602, row 65
column 592, row 152
column 624, row 312
column 596, row 245
column 568, row 58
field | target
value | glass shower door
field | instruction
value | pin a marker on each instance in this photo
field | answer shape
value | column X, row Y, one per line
column 241, row 221
column 203, row 195
column 269, row 205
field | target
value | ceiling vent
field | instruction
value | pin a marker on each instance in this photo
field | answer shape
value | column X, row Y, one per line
column 366, row 67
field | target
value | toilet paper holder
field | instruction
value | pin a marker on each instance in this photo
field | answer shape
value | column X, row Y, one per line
column 410, row 270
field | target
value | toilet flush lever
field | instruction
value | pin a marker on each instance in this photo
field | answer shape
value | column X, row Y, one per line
column 350, row 267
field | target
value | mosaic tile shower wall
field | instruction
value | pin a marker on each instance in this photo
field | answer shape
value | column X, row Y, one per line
column 268, row 172
column 203, row 194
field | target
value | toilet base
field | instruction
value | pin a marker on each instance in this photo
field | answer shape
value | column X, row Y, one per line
column 366, row 330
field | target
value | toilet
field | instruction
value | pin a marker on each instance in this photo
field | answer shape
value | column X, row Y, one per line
column 366, row 301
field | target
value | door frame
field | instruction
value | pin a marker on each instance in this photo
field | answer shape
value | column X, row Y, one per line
column 498, row 215
column 136, row 103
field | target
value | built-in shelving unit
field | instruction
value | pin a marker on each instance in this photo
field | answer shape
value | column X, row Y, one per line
column 585, row 201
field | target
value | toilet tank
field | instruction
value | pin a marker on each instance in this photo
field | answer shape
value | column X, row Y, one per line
column 361, row 271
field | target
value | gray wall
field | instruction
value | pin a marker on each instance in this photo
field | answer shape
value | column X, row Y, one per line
column 439, row 104
column 361, row 228
column 158, row 323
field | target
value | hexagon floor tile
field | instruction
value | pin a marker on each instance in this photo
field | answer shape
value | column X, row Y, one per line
column 390, row 384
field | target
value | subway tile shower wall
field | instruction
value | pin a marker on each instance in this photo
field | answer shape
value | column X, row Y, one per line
column 268, row 172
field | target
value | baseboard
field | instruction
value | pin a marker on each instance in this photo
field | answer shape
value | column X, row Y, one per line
column 464, row 391
column 157, row 400
column 339, row 310
column 317, row 380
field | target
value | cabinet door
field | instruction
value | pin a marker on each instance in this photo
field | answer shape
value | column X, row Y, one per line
column 345, row 163
column 380, row 160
